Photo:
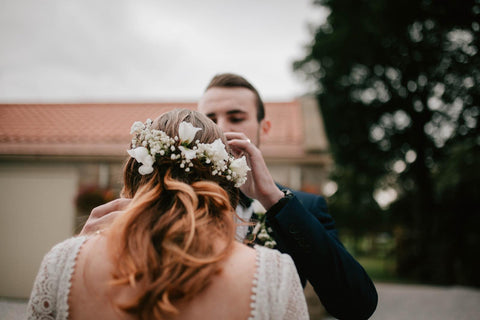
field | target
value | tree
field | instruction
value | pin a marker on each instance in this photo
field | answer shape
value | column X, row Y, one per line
column 399, row 87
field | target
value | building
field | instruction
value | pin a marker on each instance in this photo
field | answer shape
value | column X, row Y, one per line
column 49, row 153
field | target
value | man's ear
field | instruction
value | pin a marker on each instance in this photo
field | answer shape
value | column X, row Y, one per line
column 265, row 126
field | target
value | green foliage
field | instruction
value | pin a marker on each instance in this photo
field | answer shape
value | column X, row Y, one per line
column 399, row 87
column 380, row 269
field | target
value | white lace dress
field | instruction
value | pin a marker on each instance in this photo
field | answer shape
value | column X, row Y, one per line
column 277, row 292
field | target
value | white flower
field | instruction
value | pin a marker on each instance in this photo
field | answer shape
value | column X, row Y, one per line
column 220, row 153
column 257, row 228
column 270, row 244
column 257, row 207
column 215, row 151
column 141, row 155
column 263, row 235
column 187, row 131
column 188, row 154
column 137, row 126
column 239, row 166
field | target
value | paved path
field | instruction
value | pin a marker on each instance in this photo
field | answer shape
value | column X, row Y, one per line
column 399, row 302
column 415, row 302
column 396, row 302
column 12, row 309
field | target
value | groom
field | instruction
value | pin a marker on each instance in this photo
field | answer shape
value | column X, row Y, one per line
column 299, row 222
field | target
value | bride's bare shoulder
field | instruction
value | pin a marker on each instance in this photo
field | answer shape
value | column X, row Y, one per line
column 243, row 258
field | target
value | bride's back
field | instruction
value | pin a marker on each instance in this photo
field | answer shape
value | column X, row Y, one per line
column 227, row 297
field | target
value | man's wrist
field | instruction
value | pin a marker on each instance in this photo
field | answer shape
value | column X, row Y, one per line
column 272, row 199
column 287, row 196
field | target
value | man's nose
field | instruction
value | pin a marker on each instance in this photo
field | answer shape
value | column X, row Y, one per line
column 224, row 125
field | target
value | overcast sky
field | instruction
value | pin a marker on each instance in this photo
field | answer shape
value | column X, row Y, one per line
column 149, row 50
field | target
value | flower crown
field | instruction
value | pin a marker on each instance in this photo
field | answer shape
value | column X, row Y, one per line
column 148, row 144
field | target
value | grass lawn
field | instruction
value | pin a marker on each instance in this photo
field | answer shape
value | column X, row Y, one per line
column 380, row 269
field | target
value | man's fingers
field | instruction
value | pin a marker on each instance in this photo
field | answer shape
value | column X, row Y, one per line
column 239, row 147
column 103, row 215
column 114, row 205
column 236, row 135
column 240, row 143
column 99, row 223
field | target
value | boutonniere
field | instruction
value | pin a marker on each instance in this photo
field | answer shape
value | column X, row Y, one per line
column 261, row 233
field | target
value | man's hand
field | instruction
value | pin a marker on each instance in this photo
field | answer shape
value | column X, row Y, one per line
column 260, row 184
column 103, row 215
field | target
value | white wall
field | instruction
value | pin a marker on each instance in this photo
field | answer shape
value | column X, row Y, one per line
column 36, row 211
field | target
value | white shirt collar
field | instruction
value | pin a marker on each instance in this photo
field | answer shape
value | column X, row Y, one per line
column 244, row 215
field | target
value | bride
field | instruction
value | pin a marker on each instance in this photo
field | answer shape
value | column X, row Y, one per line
column 172, row 254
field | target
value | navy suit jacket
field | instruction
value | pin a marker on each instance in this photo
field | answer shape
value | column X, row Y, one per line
column 303, row 229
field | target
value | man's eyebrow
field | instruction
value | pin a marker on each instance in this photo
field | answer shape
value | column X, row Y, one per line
column 229, row 112
column 236, row 111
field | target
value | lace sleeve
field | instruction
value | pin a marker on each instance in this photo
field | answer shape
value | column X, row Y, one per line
column 49, row 297
column 279, row 294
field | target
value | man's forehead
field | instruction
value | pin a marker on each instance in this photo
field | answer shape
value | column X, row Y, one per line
column 227, row 101
column 226, row 106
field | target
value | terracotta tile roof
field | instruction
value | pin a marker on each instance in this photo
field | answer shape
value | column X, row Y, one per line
column 103, row 129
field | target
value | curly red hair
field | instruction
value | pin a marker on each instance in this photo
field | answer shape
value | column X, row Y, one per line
column 177, row 230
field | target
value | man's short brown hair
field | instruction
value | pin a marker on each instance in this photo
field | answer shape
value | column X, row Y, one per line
column 230, row 80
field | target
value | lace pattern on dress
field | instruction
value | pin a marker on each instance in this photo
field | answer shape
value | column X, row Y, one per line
column 277, row 291
column 49, row 297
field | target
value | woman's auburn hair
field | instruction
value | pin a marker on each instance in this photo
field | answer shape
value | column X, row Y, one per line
column 166, row 244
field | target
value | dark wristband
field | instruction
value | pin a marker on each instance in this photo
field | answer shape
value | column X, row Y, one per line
column 288, row 195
